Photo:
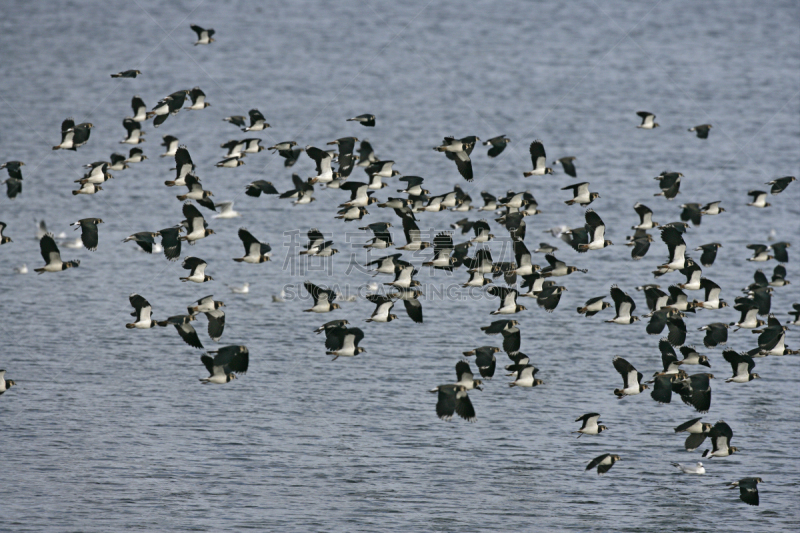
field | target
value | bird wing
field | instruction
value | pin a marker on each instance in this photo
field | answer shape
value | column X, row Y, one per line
column 49, row 249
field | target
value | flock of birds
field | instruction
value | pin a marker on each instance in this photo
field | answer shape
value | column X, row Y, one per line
column 667, row 309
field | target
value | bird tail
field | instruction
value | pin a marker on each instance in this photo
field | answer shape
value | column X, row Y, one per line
column 512, row 384
column 238, row 259
column 39, row 270
column 169, row 183
column 705, row 453
column 75, row 192
column 181, row 197
column 129, row 326
column 581, row 310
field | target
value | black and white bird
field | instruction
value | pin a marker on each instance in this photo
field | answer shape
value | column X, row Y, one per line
column 225, row 363
column 662, row 386
column 14, row 181
column 712, row 208
column 591, row 424
column 596, row 230
column 170, row 144
column 229, row 162
column 624, row 306
column 538, row 159
column 780, row 184
column 256, row 188
column 382, row 312
column 236, row 120
column 323, row 162
column 88, row 227
column 196, row 224
column 759, row 199
column 779, row 251
column 5, row 384
column 645, row 217
column 498, row 145
column 204, row 36
column 701, row 130
column 453, row 399
column 720, row 435
column 760, row 252
column 145, row 240
column 557, row 268
column 459, row 150
column 465, row 378
column 257, row 121
column 196, row 192
column 323, row 299
column 345, row 156
column 593, row 306
column 690, row 469
column 748, row 489
column 676, row 247
column 640, row 243
column 410, row 298
column 568, row 165
column 343, row 342
column 72, row 136
column 742, row 365
column 443, row 249
column 525, row 377
column 255, row 251
column 669, row 183
column 141, row 313
column 185, row 329
column 510, row 332
column 197, row 268
column 170, row 242
column 413, row 236
column 695, row 391
column 198, row 98
column 235, row 148
column 697, row 431
column 382, row 236
column 134, row 132
column 648, row 120
column 549, row 296
column 4, row 239
column 709, row 253
column 716, row 333
column 508, row 303
column 52, row 256
column 603, row 463
column 88, row 188
column 365, row 120
column 581, row 194
column 712, row 299
column 127, row 74
column 183, row 167
column 632, row 379
column 485, row 359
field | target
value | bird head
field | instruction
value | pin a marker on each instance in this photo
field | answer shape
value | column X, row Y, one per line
column 335, row 306
column 360, row 350
column 601, row 428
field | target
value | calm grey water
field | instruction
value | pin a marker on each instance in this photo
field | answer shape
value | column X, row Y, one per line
column 109, row 429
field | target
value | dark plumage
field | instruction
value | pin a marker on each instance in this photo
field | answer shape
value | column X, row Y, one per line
column 184, row 328
column 226, row 361
column 498, row 145
column 780, row 184
column 88, row 227
column 603, row 463
column 256, row 188
column 709, row 253
column 52, row 256
column 701, row 130
column 454, row 399
column 748, row 489
column 365, row 120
